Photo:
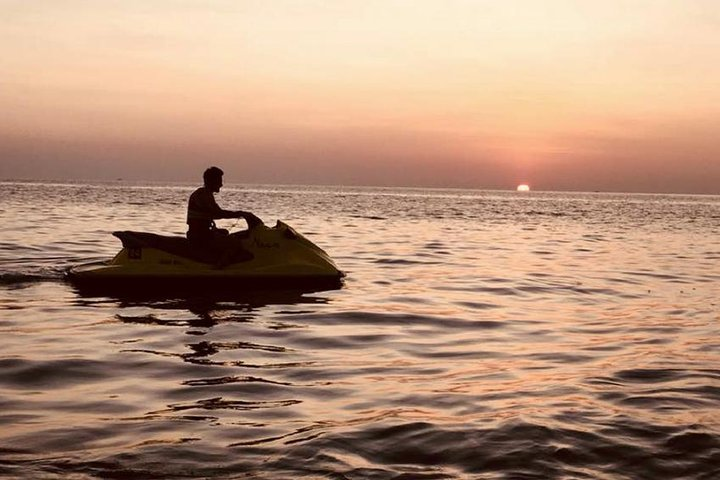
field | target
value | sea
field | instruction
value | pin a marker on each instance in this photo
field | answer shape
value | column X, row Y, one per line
column 477, row 335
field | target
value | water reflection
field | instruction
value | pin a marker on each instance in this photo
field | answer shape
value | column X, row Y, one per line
column 205, row 311
column 202, row 302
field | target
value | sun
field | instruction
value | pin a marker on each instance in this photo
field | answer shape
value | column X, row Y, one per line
column 523, row 187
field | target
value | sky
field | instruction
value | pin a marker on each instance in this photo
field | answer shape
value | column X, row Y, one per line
column 618, row 95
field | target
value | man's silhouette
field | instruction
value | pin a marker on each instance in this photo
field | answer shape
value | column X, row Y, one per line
column 203, row 211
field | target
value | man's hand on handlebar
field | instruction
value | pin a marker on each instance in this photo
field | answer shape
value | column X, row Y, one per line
column 251, row 219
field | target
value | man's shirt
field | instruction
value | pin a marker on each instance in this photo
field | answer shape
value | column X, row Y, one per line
column 202, row 208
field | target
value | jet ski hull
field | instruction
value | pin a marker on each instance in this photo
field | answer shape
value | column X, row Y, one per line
column 276, row 257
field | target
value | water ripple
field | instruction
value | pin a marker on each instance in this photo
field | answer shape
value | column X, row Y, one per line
column 478, row 335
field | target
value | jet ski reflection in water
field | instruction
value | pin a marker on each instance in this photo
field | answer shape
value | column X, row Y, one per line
column 263, row 257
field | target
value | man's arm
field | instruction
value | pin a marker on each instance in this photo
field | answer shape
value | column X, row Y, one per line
column 215, row 211
column 218, row 213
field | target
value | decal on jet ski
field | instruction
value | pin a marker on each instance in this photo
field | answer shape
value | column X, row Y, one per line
column 260, row 244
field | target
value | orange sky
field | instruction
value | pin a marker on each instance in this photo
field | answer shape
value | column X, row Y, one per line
column 621, row 95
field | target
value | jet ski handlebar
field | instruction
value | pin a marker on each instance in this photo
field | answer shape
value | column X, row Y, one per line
column 251, row 219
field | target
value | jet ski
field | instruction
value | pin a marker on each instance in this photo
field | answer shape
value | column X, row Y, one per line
column 266, row 257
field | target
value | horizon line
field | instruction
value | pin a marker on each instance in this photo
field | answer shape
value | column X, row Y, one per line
column 130, row 182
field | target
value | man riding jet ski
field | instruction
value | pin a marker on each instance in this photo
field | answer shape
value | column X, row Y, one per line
column 212, row 257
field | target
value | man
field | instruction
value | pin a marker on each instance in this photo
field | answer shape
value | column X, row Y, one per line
column 203, row 211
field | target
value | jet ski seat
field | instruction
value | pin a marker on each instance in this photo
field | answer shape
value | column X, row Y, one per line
column 174, row 245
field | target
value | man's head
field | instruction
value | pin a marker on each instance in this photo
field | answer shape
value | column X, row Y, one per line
column 213, row 179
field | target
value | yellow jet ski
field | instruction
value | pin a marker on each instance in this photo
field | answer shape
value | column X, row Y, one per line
column 267, row 257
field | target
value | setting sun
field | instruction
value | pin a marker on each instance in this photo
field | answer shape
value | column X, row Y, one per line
column 523, row 188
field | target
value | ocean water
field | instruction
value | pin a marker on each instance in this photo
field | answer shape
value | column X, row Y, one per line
column 478, row 335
